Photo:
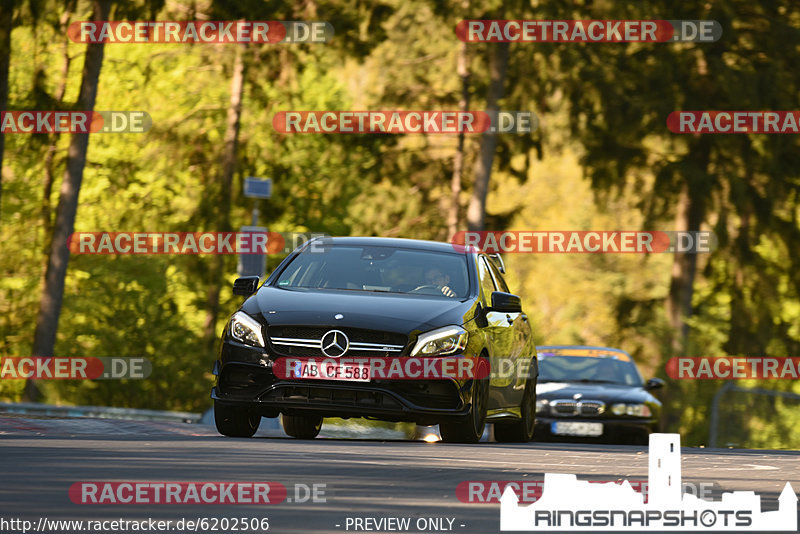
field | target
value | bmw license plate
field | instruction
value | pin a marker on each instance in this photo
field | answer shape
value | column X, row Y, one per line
column 326, row 370
column 573, row 428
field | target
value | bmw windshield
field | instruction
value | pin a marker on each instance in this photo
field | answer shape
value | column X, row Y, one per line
column 378, row 269
column 606, row 368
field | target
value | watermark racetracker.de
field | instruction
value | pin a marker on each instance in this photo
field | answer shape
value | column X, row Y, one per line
column 201, row 31
column 734, row 122
column 733, row 368
column 74, row 368
column 530, row 490
column 138, row 492
column 368, row 368
column 581, row 242
column 44, row 122
column 192, row 243
column 404, row 122
column 588, row 31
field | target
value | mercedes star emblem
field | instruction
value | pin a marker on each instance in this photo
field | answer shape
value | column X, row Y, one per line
column 334, row 343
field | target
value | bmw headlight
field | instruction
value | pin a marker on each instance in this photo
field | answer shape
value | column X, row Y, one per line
column 440, row 342
column 634, row 410
column 542, row 405
column 246, row 329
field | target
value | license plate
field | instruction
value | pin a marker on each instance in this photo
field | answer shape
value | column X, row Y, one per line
column 331, row 371
column 572, row 428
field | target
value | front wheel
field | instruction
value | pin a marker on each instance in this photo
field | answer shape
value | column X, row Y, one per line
column 302, row 426
column 469, row 429
column 522, row 430
column 234, row 421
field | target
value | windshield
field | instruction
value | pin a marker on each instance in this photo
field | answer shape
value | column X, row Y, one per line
column 561, row 365
column 377, row 268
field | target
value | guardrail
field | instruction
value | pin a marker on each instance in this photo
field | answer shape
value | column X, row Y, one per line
column 97, row 412
column 344, row 429
column 713, row 430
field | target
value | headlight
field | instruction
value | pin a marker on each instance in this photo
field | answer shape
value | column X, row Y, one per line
column 542, row 406
column 440, row 342
column 246, row 329
column 635, row 410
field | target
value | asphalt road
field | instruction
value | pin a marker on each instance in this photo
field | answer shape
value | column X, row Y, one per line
column 40, row 458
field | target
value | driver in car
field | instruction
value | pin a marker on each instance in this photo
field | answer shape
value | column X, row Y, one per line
column 435, row 277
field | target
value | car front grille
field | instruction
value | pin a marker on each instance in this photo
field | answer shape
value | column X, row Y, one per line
column 568, row 407
column 440, row 395
column 432, row 395
column 299, row 395
column 307, row 341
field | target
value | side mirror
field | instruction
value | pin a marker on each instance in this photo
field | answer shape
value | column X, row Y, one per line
column 654, row 383
column 505, row 303
column 245, row 286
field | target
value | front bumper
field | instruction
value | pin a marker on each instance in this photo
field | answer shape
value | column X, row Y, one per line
column 629, row 430
column 245, row 377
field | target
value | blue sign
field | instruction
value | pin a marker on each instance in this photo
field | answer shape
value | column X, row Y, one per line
column 257, row 188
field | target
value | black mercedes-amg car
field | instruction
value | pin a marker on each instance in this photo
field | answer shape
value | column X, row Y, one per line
column 390, row 329
column 594, row 394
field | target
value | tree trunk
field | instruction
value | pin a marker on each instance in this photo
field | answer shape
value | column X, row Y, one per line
column 47, row 187
column 690, row 215
column 44, row 338
column 458, row 161
column 226, row 181
column 6, row 25
column 476, row 212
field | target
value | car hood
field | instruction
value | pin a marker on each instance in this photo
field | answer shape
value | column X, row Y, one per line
column 604, row 392
column 374, row 311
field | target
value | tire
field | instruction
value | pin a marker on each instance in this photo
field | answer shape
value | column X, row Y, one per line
column 522, row 430
column 302, row 426
column 469, row 429
column 234, row 421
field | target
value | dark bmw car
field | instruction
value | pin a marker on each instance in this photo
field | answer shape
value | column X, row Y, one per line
column 296, row 346
column 594, row 394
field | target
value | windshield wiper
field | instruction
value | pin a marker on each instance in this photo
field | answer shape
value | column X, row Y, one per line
column 593, row 381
